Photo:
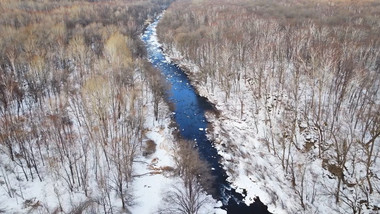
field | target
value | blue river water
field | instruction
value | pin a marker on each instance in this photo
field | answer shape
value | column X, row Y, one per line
column 189, row 115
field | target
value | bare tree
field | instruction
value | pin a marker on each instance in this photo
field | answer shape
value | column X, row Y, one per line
column 188, row 197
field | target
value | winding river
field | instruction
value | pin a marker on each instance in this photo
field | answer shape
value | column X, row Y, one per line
column 190, row 118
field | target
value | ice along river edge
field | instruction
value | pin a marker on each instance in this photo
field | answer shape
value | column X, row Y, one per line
column 190, row 117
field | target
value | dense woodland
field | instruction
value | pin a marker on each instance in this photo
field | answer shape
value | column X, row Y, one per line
column 308, row 71
column 74, row 95
column 76, row 90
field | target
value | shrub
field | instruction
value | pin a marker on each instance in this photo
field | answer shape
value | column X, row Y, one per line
column 150, row 148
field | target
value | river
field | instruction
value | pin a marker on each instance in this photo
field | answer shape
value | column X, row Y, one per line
column 190, row 117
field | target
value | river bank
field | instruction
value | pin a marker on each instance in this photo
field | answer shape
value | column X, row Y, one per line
column 187, row 109
column 298, row 123
column 190, row 110
column 255, row 176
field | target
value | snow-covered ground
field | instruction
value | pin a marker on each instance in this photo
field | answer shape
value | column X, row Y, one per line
column 251, row 150
column 155, row 182
column 152, row 176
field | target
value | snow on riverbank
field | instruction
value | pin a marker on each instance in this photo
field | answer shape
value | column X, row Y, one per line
column 248, row 138
column 152, row 177
column 243, row 157
column 159, row 184
column 156, row 178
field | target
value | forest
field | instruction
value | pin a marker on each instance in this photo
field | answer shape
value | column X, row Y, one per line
column 296, row 84
column 86, row 126
column 76, row 95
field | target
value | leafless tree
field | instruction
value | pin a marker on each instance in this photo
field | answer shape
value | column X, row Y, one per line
column 189, row 196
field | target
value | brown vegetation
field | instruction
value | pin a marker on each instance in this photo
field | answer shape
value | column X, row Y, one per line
column 316, row 62
column 187, row 196
column 150, row 147
column 71, row 93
